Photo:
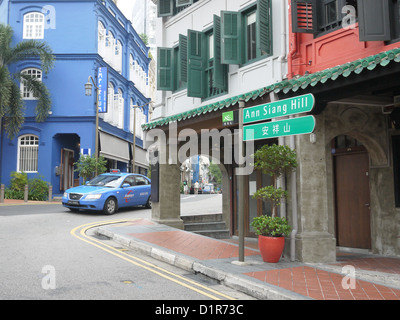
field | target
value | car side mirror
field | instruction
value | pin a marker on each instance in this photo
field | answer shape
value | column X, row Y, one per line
column 126, row 185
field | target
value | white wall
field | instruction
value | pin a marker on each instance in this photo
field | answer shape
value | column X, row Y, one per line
column 243, row 79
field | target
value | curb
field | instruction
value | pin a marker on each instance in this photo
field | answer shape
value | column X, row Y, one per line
column 257, row 290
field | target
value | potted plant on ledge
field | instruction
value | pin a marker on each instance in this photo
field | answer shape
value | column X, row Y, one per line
column 275, row 161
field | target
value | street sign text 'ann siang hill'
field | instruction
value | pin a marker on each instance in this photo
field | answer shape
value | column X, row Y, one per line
column 281, row 108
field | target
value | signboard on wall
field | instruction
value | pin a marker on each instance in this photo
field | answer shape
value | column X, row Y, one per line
column 102, row 84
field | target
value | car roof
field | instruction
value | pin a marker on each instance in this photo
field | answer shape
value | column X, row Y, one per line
column 122, row 174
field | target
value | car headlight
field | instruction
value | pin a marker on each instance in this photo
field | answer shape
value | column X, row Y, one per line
column 93, row 197
column 65, row 195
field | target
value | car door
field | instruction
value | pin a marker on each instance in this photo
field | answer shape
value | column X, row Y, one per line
column 142, row 190
column 127, row 193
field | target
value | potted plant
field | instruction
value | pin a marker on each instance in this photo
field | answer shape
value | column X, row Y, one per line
column 275, row 161
column 271, row 233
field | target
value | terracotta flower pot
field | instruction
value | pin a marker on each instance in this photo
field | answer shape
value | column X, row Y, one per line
column 271, row 248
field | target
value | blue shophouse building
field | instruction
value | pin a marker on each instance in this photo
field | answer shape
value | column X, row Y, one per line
column 84, row 35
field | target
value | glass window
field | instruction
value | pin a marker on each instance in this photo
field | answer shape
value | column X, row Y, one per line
column 140, row 181
column 211, row 89
column 332, row 15
column 33, row 73
column 130, row 180
column 251, row 42
column 33, row 25
column 28, row 149
column 108, row 181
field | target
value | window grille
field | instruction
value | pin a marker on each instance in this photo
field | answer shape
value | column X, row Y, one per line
column 28, row 150
column 33, row 26
column 34, row 73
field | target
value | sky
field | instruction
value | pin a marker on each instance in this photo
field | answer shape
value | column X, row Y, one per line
column 126, row 7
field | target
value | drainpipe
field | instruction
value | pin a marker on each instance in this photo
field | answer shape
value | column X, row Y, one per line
column 283, row 55
column 294, row 208
column 293, row 47
column 281, row 60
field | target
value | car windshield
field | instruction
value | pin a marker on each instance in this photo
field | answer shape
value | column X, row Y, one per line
column 106, row 181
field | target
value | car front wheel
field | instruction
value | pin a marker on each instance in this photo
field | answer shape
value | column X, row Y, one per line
column 110, row 207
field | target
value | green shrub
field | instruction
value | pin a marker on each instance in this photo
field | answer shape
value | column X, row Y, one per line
column 271, row 227
column 18, row 180
column 38, row 189
column 13, row 194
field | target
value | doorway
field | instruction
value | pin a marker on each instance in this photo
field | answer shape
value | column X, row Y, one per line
column 67, row 173
column 352, row 193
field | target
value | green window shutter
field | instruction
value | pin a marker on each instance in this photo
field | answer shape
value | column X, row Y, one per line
column 183, row 57
column 181, row 3
column 196, row 64
column 264, row 27
column 374, row 20
column 304, row 16
column 165, row 8
column 165, row 69
column 231, row 36
column 220, row 70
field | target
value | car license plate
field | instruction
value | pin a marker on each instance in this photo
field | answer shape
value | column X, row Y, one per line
column 73, row 203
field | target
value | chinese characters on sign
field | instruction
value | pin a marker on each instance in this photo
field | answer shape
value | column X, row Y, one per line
column 282, row 128
column 102, row 84
column 279, row 128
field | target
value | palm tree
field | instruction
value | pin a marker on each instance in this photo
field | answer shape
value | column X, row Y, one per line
column 11, row 102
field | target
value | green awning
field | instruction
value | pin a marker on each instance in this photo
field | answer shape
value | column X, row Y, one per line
column 285, row 86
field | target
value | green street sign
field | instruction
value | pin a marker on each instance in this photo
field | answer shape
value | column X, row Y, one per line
column 287, row 107
column 282, row 128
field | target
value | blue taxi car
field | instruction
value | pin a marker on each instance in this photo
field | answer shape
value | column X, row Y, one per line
column 108, row 192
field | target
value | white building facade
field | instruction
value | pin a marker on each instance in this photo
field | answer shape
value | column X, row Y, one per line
column 237, row 46
column 211, row 55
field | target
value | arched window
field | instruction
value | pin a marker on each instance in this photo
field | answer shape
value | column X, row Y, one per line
column 118, row 56
column 34, row 73
column 110, row 44
column 101, row 31
column 101, row 39
column 119, row 109
column 33, row 25
column 110, row 103
column 138, row 117
column 28, row 150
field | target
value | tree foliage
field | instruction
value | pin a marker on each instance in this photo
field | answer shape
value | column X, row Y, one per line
column 11, row 102
column 88, row 166
column 274, row 160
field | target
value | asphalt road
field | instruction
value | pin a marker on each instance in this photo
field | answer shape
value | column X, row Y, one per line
column 42, row 258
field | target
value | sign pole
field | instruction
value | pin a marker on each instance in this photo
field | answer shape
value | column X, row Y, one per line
column 97, row 128
column 241, row 182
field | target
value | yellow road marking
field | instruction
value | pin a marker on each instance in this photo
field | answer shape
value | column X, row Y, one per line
column 142, row 263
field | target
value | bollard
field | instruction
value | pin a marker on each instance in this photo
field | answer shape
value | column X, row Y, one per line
column 2, row 193
column 50, row 193
column 26, row 193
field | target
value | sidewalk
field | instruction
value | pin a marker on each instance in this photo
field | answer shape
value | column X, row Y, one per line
column 12, row 202
column 377, row 277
